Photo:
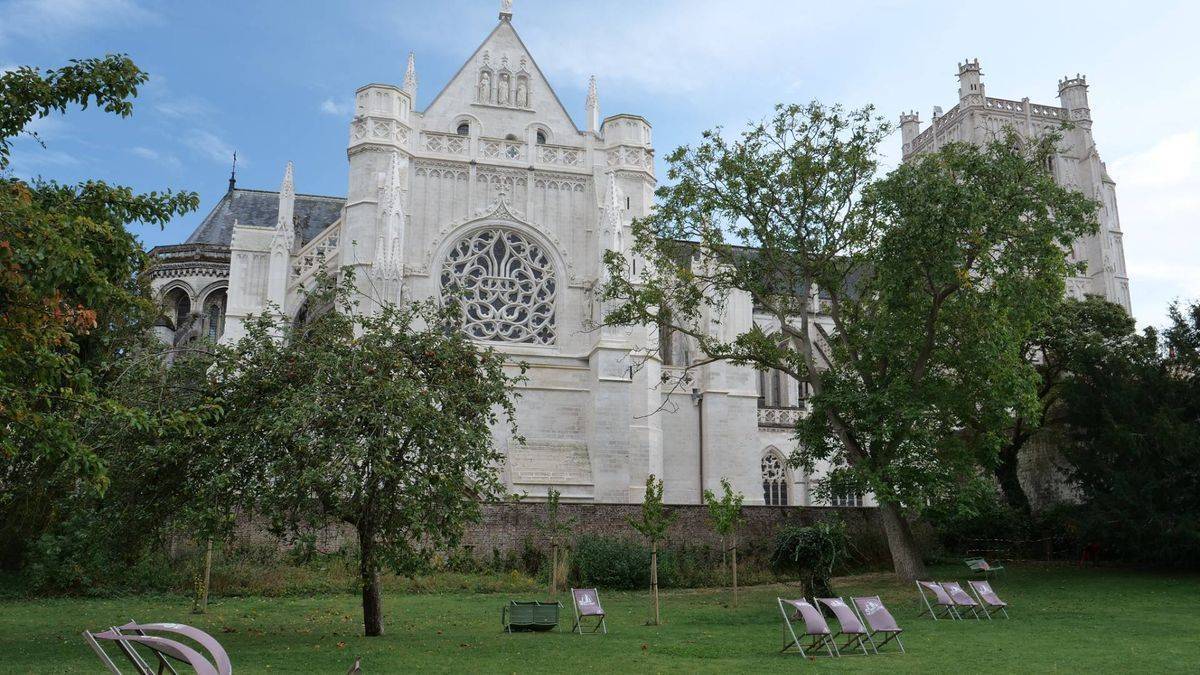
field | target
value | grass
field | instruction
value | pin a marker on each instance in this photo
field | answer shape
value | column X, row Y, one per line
column 1063, row 620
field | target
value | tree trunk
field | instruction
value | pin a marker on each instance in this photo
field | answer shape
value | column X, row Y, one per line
column 906, row 558
column 734, row 552
column 553, row 572
column 200, row 605
column 654, row 579
column 369, row 576
column 1008, row 478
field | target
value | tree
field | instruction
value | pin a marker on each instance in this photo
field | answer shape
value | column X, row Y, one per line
column 556, row 528
column 726, row 514
column 653, row 524
column 931, row 278
column 75, row 294
column 381, row 422
column 1133, row 445
column 1076, row 335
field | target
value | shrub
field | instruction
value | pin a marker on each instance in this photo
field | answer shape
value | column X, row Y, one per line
column 605, row 562
column 811, row 552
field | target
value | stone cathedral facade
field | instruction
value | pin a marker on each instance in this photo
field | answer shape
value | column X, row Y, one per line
column 494, row 191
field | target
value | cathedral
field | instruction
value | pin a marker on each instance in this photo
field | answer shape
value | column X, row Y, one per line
column 493, row 190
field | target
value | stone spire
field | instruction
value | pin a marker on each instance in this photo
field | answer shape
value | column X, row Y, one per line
column 506, row 10
column 593, row 106
column 410, row 78
column 285, row 227
column 389, row 246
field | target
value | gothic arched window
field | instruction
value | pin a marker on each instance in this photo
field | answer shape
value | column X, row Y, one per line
column 541, row 137
column 774, row 480
column 464, row 129
column 181, row 307
column 505, row 283
column 214, row 314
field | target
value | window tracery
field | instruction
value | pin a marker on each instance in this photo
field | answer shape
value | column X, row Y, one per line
column 774, row 480
column 506, row 285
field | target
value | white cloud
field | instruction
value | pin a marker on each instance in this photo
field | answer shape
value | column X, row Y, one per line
column 149, row 154
column 211, row 146
column 332, row 107
column 52, row 20
column 182, row 107
column 1158, row 194
column 687, row 46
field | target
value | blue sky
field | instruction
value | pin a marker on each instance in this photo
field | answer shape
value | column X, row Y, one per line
column 274, row 81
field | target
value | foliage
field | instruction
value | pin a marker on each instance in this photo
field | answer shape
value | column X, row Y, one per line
column 811, row 552
column 556, row 529
column 653, row 524
column 381, row 421
column 655, row 517
column 933, row 277
column 604, row 562
column 726, row 512
column 75, row 294
column 1075, row 335
column 726, row 515
column 1134, row 445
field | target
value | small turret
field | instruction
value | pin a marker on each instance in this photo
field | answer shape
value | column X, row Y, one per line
column 969, row 79
column 1072, row 92
column 910, row 127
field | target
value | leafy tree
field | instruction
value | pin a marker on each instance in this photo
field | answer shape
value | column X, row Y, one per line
column 653, row 524
column 811, row 552
column 1076, row 335
column 382, row 422
column 726, row 514
column 1133, row 445
column 556, row 528
column 932, row 277
column 75, row 294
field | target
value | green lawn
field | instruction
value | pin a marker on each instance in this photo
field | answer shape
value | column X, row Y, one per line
column 1063, row 620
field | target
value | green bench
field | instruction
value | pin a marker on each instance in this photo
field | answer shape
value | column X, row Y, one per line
column 981, row 566
column 529, row 615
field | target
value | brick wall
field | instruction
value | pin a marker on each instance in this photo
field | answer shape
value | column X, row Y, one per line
column 506, row 527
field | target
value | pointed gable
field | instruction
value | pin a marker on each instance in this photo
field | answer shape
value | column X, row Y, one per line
column 502, row 88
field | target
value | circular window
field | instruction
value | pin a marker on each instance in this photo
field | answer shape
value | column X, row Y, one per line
column 506, row 286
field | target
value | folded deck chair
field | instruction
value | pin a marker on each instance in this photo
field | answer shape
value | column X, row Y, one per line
column 981, row 566
column 879, row 621
column 849, row 625
column 988, row 600
column 941, row 599
column 815, row 628
column 160, row 647
column 587, row 604
column 962, row 599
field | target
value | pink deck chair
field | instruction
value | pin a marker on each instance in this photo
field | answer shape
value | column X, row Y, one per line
column 962, row 599
column 849, row 625
column 941, row 599
column 815, row 628
column 587, row 604
column 160, row 647
column 879, row 621
column 988, row 600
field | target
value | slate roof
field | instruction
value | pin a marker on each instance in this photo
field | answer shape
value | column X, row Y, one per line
column 260, row 208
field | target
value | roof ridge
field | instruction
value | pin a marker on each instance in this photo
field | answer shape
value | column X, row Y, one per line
column 298, row 194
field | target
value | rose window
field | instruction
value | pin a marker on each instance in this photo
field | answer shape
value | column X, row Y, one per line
column 506, row 286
